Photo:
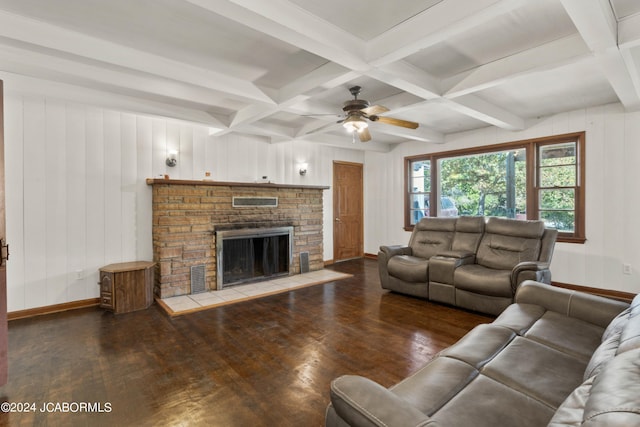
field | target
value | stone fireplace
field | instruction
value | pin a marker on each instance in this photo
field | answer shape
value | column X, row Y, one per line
column 188, row 217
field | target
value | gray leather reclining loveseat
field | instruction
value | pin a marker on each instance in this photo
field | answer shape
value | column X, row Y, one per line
column 555, row 357
column 470, row 262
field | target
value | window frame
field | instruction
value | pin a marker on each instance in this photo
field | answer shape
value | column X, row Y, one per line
column 532, row 148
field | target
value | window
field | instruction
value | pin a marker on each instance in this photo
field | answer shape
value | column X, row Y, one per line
column 419, row 190
column 534, row 179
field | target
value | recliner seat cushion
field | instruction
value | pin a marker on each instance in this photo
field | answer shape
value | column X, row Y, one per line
column 482, row 280
column 409, row 268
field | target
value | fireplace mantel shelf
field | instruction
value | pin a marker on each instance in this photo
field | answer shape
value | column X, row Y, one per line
column 152, row 181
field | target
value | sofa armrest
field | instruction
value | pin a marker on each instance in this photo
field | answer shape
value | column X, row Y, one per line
column 580, row 305
column 468, row 257
column 443, row 265
column 530, row 270
column 394, row 250
column 362, row 402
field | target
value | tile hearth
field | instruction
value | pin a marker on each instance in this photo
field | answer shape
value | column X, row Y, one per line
column 183, row 304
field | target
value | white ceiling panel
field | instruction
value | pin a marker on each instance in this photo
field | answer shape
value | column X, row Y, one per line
column 364, row 18
column 534, row 24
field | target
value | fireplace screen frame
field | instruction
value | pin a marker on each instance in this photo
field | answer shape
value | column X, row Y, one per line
column 246, row 233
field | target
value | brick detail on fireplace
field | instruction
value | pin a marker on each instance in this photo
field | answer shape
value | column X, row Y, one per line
column 186, row 215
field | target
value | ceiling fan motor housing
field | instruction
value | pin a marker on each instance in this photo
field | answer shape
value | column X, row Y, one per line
column 355, row 104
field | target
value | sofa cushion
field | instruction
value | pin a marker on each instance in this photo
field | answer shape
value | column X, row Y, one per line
column 536, row 370
column 603, row 354
column 488, row 403
column 507, row 242
column 520, row 317
column 435, row 384
column 622, row 335
column 408, row 268
column 567, row 334
column 432, row 236
column 504, row 252
column 482, row 280
column 480, row 345
column 571, row 411
column 469, row 230
column 608, row 399
column 630, row 337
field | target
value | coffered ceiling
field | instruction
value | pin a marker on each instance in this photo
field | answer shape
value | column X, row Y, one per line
column 281, row 69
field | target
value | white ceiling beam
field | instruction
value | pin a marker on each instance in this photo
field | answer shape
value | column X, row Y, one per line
column 24, row 85
column 629, row 32
column 408, row 78
column 267, row 129
column 597, row 24
column 479, row 109
column 400, row 102
column 322, row 78
column 621, row 71
column 66, row 71
column 251, row 114
column 421, row 134
column 47, row 36
column 541, row 58
column 436, row 24
column 287, row 22
column 346, row 142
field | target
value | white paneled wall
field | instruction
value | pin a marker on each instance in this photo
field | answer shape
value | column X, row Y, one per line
column 77, row 197
column 76, row 193
column 612, row 199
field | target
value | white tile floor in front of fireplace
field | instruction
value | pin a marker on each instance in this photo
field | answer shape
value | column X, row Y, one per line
column 204, row 300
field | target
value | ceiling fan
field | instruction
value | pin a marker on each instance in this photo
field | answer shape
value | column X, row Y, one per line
column 358, row 111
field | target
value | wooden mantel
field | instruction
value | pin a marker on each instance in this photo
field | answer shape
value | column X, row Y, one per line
column 187, row 214
column 151, row 181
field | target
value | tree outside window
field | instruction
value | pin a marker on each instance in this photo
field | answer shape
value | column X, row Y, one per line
column 535, row 179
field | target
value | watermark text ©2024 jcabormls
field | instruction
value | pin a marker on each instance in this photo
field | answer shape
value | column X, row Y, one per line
column 52, row 407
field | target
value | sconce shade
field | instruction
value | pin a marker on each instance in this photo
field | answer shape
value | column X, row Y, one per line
column 172, row 158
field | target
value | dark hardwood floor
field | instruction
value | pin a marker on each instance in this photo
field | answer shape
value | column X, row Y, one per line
column 266, row 362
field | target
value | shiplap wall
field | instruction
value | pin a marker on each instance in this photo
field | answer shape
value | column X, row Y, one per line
column 612, row 199
column 77, row 198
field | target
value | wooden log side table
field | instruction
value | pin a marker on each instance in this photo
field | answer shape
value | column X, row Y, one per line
column 127, row 286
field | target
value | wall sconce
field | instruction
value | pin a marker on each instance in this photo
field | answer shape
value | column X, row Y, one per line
column 172, row 158
column 303, row 169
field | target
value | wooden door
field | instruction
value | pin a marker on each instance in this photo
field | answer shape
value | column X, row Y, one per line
column 348, row 217
column 5, row 254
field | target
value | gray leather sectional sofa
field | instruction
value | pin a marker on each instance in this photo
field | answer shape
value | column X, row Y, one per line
column 555, row 357
column 475, row 263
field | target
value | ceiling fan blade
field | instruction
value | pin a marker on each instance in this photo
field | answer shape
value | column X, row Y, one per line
column 374, row 109
column 395, row 122
column 364, row 135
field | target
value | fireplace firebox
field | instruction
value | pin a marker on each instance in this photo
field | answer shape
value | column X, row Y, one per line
column 252, row 254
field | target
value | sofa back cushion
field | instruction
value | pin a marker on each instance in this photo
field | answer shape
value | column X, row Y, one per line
column 432, row 236
column 469, row 230
column 622, row 335
column 609, row 399
column 507, row 242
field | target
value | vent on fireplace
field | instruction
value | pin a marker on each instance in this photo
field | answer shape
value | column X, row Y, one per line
column 241, row 202
column 197, row 279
